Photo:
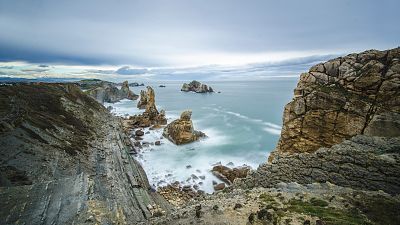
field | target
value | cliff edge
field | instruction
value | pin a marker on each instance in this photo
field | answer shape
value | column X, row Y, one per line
column 341, row 98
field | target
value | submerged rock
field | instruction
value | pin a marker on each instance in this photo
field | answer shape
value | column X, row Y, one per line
column 197, row 87
column 181, row 131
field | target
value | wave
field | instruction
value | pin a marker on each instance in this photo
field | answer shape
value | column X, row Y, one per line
column 269, row 127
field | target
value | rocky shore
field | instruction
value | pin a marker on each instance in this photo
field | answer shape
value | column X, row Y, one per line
column 197, row 87
column 337, row 159
column 66, row 159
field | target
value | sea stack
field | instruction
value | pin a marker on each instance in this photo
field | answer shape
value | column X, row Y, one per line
column 143, row 100
column 197, row 87
column 181, row 131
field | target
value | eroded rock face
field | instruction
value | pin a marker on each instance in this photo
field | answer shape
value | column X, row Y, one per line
column 108, row 92
column 338, row 99
column 143, row 100
column 363, row 162
column 197, row 87
column 181, row 131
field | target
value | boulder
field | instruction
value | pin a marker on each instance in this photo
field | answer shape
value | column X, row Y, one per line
column 228, row 175
column 197, row 87
column 181, row 131
column 139, row 133
column 219, row 187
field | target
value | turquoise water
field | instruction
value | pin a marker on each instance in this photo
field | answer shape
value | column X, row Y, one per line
column 242, row 123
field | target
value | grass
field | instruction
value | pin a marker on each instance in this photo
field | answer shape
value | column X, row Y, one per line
column 329, row 216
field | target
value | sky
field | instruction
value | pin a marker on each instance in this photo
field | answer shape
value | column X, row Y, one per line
column 180, row 39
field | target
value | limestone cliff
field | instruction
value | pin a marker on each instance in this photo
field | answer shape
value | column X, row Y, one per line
column 65, row 160
column 343, row 97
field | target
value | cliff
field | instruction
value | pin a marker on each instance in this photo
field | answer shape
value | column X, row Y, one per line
column 104, row 91
column 65, row 160
column 341, row 98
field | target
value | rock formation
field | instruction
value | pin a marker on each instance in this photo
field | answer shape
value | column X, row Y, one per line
column 363, row 162
column 151, row 115
column 181, row 131
column 142, row 100
column 228, row 175
column 197, row 87
column 338, row 99
column 109, row 92
column 65, row 160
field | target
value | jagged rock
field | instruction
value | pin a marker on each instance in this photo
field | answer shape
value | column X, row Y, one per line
column 197, row 87
column 108, row 92
column 150, row 117
column 157, row 143
column 228, row 175
column 181, row 131
column 338, row 99
column 143, row 100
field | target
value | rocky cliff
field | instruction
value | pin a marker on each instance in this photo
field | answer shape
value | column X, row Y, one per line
column 65, row 160
column 109, row 92
column 343, row 97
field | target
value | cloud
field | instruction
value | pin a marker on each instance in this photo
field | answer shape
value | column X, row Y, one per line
column 35, row 70
column 43, row 65
column 7, row 67
column 126, row 70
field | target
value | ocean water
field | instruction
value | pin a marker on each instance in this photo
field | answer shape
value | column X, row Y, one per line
column 242, row 123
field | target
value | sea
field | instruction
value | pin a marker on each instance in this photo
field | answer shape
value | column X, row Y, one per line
column 243, row 123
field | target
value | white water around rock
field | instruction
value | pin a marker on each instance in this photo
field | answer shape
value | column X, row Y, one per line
column 242, row 123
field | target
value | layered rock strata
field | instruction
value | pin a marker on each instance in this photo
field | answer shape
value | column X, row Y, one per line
column 197, row 87
column 343, row 97
column 181, row 131
column 109, row 92
column 363, row 162
column 65, row 160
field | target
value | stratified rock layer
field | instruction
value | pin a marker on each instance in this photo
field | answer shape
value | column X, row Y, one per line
column 197, row 87
column 181, row 131
column 338, row 99
column 368, row 163
column 142, row 100
column 65, row 160
column 109, row 92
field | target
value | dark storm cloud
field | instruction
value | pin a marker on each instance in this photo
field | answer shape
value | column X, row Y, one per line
column 153, row 33
column 126, row 70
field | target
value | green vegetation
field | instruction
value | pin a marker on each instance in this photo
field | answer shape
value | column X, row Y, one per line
column 379, row 209
column 329, row 216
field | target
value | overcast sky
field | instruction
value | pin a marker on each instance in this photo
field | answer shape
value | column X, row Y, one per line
column 182, row 33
